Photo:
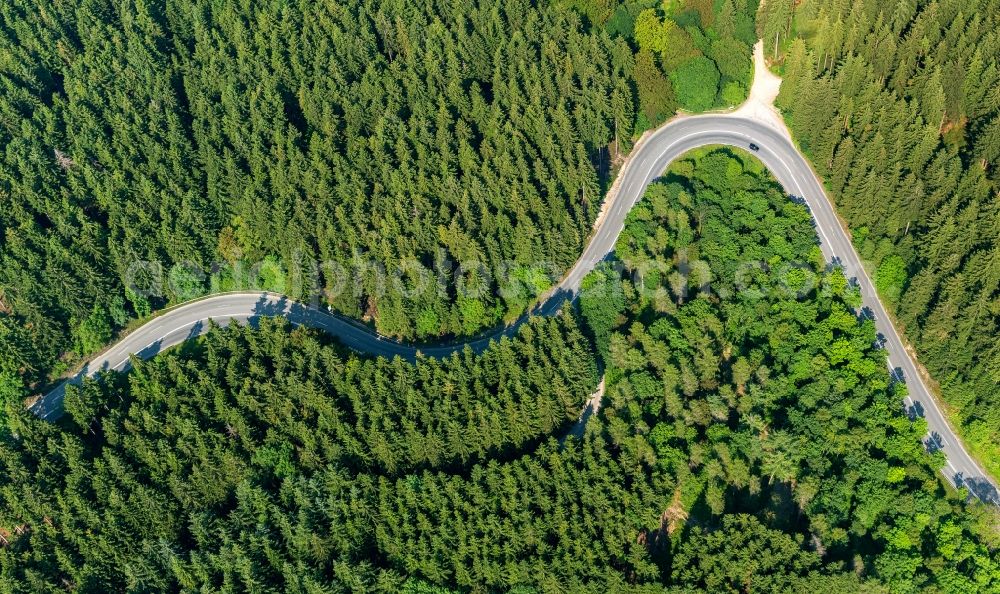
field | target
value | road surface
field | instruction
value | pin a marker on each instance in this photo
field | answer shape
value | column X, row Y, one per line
column 649, row 159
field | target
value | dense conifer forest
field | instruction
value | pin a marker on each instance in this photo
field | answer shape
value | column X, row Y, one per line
column 160, row 150
column 749, row 438
column 898, row 105
column 750, row 441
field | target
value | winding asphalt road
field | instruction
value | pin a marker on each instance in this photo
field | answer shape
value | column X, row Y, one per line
column 647, row 162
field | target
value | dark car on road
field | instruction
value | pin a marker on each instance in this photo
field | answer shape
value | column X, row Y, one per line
column 754, row 147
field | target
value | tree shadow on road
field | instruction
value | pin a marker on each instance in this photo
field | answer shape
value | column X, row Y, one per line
column 979, row 487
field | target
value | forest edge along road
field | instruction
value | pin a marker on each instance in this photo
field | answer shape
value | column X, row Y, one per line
column 648, row 160
column 668, row 143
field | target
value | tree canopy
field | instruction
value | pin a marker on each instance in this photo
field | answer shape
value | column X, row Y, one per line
column 344, row 152
column 697, row 83
column 897, row 105
column 750, row 440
